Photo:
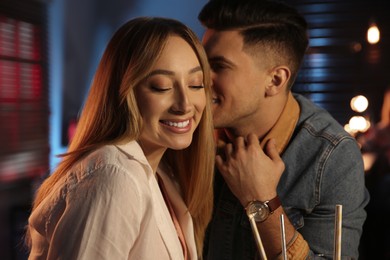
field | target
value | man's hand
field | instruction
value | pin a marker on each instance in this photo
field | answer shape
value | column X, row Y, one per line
column 250, row 173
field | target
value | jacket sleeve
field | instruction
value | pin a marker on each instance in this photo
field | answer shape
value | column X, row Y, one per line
column 342, row 182
column 101, row 217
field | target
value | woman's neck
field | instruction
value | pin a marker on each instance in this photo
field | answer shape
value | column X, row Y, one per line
column 153, row 155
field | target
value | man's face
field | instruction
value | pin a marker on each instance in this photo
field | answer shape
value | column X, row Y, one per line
column 238, row 80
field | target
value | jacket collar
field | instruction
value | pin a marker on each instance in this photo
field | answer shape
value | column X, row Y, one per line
column 284, row 127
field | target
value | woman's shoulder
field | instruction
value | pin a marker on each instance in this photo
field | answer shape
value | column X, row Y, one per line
column 110, row 163
column 104, row 176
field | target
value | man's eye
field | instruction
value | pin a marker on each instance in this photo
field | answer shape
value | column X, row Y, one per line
column 217, row 66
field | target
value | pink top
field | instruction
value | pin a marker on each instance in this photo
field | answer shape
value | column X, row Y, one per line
column 174, row 218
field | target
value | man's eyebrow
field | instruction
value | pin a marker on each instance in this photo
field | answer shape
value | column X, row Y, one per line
column 221, row 59
column 172, row 73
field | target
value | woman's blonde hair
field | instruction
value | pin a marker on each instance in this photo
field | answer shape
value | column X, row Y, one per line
column 110, row 114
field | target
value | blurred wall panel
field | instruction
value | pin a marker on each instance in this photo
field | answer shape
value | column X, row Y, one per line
column 340, row 63
column 24, row 146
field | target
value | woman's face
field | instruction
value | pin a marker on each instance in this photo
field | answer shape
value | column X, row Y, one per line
column 172, row 98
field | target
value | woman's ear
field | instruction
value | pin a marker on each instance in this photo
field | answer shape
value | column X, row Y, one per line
column 280, row 76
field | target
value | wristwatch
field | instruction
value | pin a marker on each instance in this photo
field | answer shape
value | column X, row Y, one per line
column 260, row 211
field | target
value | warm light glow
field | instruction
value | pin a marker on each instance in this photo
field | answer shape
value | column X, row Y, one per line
column 356, row 47
column 359, row 123
column 373, row 34
column 368, row 125
column 368, row 160
column 359, row 103
column 348, row 129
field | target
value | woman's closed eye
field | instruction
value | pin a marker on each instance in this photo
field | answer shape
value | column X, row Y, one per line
column 156, row 88
column 197, row 86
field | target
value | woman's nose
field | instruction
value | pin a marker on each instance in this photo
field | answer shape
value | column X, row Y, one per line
column 182, row 102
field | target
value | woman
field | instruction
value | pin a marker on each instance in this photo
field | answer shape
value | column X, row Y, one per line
column 136, row 182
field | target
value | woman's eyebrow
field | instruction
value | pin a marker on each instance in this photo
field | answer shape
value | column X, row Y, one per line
column 172, row 73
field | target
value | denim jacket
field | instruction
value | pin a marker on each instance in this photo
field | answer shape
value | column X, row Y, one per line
column 324, row 167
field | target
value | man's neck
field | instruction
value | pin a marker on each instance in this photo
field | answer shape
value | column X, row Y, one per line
column 280, row 130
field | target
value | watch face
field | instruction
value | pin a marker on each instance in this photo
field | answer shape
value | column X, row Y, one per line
column 258, row 210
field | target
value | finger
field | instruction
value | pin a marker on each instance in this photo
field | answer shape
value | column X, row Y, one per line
column 272, row 152
column 239, row 143
column 254, row 142
column 219, row 162
column 228, row 150
column 252, row 139
column 221, row 143
column 221, row 146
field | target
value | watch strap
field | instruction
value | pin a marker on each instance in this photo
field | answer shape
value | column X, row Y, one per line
column 273, row 204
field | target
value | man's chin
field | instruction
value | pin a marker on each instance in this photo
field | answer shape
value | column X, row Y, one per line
column 219, row 124
column 221, row 120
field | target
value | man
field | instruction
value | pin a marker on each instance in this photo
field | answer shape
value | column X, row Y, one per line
column 255, row 48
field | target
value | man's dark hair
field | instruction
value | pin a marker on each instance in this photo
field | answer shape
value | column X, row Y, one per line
column 271, row 24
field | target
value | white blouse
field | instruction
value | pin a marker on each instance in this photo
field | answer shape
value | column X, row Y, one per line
column 109, row 206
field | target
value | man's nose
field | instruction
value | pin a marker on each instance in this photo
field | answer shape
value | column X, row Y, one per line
column 213, row 80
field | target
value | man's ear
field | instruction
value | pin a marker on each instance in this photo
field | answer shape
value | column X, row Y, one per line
column 280, row 76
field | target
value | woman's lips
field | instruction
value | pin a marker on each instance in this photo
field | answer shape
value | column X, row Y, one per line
column 177, row 126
